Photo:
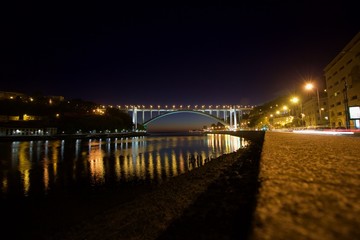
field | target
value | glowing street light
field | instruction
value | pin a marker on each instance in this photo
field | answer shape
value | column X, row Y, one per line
column 296, row 100
column 286, row 110
column 309, row 87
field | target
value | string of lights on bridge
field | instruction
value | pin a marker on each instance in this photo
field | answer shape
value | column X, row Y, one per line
column 180, row 107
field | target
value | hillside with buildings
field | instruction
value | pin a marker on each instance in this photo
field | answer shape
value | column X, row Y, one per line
column 21, row 114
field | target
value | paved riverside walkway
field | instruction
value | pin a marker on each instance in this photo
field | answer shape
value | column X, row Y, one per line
column 310, row 188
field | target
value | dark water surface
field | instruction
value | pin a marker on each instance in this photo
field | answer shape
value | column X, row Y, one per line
column 37, row 168
column 48, row 185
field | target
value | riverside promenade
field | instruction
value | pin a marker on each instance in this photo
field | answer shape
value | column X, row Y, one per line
column 310, row 188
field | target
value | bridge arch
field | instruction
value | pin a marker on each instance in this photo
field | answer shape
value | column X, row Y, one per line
column 185, row 111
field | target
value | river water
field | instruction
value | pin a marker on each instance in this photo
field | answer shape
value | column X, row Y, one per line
column 35, row 169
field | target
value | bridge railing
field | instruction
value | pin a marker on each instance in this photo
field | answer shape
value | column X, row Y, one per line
column 184, row 107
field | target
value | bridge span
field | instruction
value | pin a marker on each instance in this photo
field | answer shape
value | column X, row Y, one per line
column 228, row 115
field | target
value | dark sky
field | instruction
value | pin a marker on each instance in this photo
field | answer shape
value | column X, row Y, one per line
column 214, row 53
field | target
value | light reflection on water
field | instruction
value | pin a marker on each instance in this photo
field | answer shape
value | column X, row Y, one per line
column 38, row 167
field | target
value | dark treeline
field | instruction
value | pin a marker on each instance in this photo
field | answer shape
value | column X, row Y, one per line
column 113, row 120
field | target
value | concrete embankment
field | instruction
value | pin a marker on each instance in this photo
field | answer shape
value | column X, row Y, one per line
column 310, row 188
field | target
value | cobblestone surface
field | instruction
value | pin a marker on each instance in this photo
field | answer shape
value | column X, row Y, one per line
column 310, row 188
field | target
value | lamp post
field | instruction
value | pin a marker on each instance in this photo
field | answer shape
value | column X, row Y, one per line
column 296, row 100
column 286, row 109
column 310, row 86
column 346, row 103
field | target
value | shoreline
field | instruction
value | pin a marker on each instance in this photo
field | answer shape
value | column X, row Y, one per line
column 114, row 135
column 70, row 136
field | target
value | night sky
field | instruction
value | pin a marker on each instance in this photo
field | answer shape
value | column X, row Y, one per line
column 216, row 53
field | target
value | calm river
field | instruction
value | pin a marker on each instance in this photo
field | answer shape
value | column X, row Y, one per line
column 38, row 168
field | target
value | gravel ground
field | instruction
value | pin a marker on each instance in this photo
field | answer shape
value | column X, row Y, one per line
column 310, row 188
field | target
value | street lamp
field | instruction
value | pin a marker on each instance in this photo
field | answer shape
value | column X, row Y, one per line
column 310, row 86
column 296, row 100
column 286, row 109
column 346, row 103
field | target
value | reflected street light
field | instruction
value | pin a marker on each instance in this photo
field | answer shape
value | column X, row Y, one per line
column 310, row 86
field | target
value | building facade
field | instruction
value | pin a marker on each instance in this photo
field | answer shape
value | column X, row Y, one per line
column 315, row 111
column 342, row 77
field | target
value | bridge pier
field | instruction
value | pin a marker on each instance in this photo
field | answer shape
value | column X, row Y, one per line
column 233, row 120
column 134, row 118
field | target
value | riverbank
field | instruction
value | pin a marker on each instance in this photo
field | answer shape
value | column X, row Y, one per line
column 165, row 205
column 70, row 136
column 225, row 209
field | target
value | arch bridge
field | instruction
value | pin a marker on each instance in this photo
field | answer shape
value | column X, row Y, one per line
column 222, row 113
